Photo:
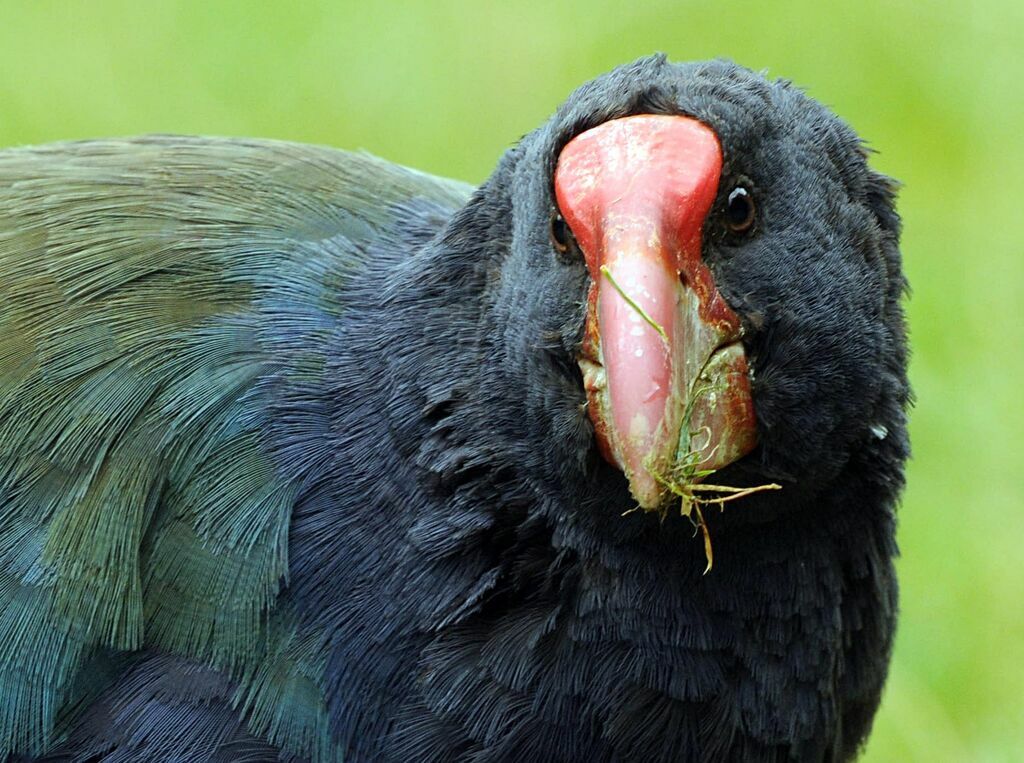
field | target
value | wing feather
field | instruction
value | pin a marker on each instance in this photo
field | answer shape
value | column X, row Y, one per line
column 148, row 289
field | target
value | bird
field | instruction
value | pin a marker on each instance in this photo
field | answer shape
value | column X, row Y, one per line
column 308, row 456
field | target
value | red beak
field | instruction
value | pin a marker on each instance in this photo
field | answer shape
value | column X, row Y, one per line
column 666, row 377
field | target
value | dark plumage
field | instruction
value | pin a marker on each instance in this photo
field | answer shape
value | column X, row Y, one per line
column 294, row 459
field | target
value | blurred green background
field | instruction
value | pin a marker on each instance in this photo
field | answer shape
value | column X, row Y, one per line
column 938, row 90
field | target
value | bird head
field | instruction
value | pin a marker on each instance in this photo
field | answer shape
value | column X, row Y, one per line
column 702, row 273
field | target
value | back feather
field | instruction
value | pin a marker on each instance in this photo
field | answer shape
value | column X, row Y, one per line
column 155, row 295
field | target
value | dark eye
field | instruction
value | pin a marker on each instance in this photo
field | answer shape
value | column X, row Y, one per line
column 740, row 210
column 561, row 236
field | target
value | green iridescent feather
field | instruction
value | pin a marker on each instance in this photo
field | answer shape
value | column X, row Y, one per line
column 139, row 503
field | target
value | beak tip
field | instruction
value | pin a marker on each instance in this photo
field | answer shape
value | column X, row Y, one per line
column 645, row 489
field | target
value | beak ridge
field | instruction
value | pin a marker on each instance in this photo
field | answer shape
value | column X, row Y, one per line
column 660, row 354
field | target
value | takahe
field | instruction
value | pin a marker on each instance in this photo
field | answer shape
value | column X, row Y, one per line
column 308, row 456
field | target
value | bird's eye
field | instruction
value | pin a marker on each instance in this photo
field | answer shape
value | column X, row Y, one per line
column 561, row 236
column 740, row 210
